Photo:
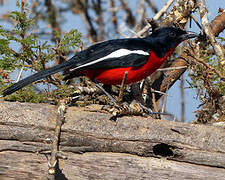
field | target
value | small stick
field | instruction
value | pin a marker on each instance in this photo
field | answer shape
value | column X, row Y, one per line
column 120, row 98
column 164, row 100
column 55, row 144
column 100, row 87
column 154, row 102
column 196, row 21
column 159, row 92
column 142, row 85
column 19, row 75
column 172, row 68
column 133, row 32
column 163, row 9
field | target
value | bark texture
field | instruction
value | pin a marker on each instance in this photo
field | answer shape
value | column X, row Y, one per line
column 93, row 147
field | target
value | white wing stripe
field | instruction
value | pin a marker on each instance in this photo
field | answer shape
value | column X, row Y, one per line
column 115, row 54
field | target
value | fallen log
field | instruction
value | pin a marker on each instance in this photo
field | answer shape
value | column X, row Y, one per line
column 93, row 147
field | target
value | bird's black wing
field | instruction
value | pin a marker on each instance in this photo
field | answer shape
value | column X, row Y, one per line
column 114, row 54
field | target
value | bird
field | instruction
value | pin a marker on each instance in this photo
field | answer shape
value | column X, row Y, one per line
column 106, row 62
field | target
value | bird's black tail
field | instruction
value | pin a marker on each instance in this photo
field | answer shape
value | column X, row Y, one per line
column 38, row 76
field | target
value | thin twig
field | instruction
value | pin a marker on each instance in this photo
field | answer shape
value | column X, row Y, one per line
column 154, row 101
column 19, row 74
column 55, row 144
column 23, row 2
column 164, row 100
column 200, row 27
column 133, row 32
column 163, row 10
column 159, row 92
column 120, row 98
column 53, row 20
column 172, row 68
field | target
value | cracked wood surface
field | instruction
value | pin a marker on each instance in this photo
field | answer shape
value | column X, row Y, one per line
column 134, row 147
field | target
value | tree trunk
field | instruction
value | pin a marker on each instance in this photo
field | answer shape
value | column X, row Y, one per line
column 93, row 147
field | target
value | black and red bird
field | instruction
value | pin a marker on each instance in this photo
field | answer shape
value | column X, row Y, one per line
column 106, row 62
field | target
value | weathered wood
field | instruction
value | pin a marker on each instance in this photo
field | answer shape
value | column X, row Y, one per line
column 104, row 166
column 26, row 131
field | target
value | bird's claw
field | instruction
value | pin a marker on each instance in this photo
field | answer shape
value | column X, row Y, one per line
column 135, row 108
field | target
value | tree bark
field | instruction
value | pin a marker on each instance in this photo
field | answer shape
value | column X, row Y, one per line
column 97, row 148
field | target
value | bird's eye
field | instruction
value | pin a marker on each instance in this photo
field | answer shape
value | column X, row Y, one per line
column 172, row 34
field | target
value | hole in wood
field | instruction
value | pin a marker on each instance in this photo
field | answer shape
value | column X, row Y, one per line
column 162, row 150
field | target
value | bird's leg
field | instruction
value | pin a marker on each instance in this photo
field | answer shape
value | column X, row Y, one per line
column 100, row 87
column 121, row 109
column 120, row 98
column 137, row 106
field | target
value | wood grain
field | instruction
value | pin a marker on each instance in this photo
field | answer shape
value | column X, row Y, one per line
column 97, row 148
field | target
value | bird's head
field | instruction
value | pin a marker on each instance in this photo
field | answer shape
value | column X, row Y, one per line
column 166, row 38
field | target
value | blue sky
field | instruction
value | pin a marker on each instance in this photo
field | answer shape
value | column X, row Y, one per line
column 173, row 100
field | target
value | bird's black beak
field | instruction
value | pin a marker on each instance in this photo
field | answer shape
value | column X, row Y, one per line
column 188, row 35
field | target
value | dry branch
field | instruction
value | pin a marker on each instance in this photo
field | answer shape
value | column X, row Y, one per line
column 208, row 31
column 156, row 17
column 82, row 7
column 218, row 24
column 130, row 18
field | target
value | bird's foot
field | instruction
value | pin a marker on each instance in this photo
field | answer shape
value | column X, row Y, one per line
column 134, row 108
